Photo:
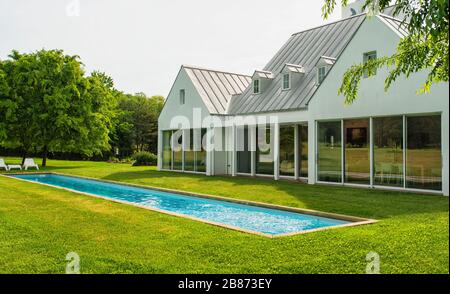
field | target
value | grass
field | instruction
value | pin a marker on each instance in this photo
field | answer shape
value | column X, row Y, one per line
column 39, row 225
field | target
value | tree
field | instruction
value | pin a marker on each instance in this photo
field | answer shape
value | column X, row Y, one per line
column 57, row 108
column 136, row 125
column 6, row 104
column 425, row 47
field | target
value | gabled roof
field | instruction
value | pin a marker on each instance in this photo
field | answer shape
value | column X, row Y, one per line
column 216, row 87
column 294, row 68
column 303, row 48
column 326, row 60
column 263, row 74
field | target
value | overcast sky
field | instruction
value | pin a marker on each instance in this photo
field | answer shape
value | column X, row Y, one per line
column 141, row 44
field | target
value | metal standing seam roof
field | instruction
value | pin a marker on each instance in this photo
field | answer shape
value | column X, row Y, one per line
column 397, row 25
column 305, row 49
column 217, row 87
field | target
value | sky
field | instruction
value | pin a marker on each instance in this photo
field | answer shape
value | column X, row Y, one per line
column 141, row 44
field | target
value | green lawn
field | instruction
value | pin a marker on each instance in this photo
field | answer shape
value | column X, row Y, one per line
column 39, row 225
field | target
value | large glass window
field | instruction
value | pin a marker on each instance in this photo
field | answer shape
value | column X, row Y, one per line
column 177, row 140
column 423, row 154
column 244, row 155
column 303, row 150
column 166, row 150
column 388, row 151
column 357, row 151
column 200, row 156
column 287, row 150
column 264, row 151
column 329, row 166
column 189, row 153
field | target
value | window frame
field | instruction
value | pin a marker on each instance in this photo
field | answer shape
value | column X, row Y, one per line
column 256, row 84
column 182, row 96
column 288, row 82
column 366, row 57
column 319, row 78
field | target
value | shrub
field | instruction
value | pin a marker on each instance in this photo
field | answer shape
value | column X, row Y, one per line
column 144, row 158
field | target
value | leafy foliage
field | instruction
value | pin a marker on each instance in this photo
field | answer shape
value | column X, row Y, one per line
column 425, row 47
column 53, row 106
column 136, row 125
column 144, row 158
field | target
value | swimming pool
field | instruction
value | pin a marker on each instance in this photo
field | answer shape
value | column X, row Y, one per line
column 250, row 218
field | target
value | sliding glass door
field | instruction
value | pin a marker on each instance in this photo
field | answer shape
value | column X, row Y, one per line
column 287, row 150
column 244, row 155
column 357, row 160
column 189, row 153
column 302, row 141
column 329, row 167
column 388, row 151
column 166, row 150
column 264, row 151
column 423, row 154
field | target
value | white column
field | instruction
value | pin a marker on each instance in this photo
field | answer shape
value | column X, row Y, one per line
column 252, row 134
column 444, row 150
column 312, row 152
column 342, row 152
column 371, row 131
column 404, row 150
column 184, row 146
column 296, row 152
column 160, row 149
column 276, row 151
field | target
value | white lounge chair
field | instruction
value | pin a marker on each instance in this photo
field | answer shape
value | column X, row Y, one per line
column 29, row 162
column 3, row 164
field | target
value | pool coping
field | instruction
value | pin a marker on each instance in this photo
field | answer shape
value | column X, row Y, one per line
column 354, row 221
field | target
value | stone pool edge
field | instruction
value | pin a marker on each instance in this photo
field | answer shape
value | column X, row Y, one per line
column 354, row 221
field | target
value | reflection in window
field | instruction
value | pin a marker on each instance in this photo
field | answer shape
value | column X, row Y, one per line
column 264, row 151
column 357, row 151
column 303, row 150
column 177, row 139
column 200, row 156
column 167, row 150
column 287, row 151
column 423, row 154
column 329, row 151
column 244, row 155
column 189, row 153
column 388, row 151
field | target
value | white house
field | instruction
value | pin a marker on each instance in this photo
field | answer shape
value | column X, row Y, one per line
column 288, row 122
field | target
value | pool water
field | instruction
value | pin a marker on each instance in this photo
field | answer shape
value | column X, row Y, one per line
column 248, row 217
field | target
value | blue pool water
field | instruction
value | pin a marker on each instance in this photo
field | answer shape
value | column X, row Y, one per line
column 253, row 218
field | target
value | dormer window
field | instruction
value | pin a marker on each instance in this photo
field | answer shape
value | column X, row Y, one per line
column 321, row 73
column 256, row 87
column 286, row 83
column 182, row 97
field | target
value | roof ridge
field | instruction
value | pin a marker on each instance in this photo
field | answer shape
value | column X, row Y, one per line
column 214, row 70
column 330, row 23
column 391, row 17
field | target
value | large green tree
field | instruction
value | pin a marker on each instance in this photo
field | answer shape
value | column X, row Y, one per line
column 425, row 47
column 56, row 107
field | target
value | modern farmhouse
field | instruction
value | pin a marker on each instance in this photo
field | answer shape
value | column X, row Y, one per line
column 287, row 120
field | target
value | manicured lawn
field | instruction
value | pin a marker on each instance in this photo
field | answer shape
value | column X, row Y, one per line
column 39, row 225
